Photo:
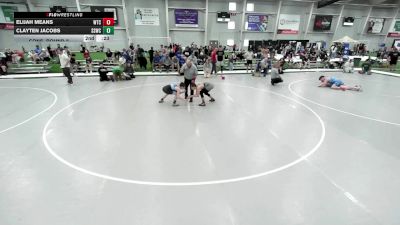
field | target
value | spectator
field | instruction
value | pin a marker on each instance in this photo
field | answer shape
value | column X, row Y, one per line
column 348, row 66
column 393, row 58
column 129, row 71
column 83, row 48
column 220, row 58
column 33, row 56
column 167, row 63
column 157, row 62
column 103, row 73
column 37, row 50
column 86, row 54
column 117, row 55
column 207, row 67
column 232, row 59
column 151, row 55
column 109, row 55
column 74, row 66
column 44, row 55
column 193, row 58
column 214, row 61
column 51, row 52
column 89, row 66
column 249, row 60
column 366, row 67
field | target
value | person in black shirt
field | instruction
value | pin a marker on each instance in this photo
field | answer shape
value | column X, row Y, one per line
column 109, row 55
column 83, row 48
column 74, row 66
column 393, row 57
column 220, row 60
column 117, row 54
column 103, row 73
column 141, row 58
column 50, row 51
column 151, row 55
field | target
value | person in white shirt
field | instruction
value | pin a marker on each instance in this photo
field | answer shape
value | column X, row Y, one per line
column 207, row 68
column 249, row 60
column 65, row 65
column 349, row 66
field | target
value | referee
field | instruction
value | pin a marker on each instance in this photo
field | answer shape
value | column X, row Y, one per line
column 65, row 65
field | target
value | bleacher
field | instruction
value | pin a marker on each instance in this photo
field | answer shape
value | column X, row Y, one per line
column 28, row 67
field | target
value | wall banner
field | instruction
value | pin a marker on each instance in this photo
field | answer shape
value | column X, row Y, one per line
column 288, row 24
column 256, row 22
column 147, row 16
column 375, row 25
column 186, row 18
column 395, row 29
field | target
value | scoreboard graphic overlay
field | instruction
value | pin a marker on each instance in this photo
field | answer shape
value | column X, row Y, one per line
column 64, row 26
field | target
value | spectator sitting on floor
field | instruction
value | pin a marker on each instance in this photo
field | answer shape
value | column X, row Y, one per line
column 129, row 71
column 348, row 66
column 366, row 67
column 103, row 73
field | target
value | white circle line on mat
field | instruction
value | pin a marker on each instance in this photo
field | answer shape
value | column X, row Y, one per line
column 199, row 183
column 335, row 109
column 36, row 115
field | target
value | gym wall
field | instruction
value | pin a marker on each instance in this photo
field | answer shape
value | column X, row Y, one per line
column 220, row 31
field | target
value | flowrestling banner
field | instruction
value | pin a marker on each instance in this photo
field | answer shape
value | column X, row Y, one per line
column 257, row 22
column 186, row 18
column 288, row 24
column 147, row 16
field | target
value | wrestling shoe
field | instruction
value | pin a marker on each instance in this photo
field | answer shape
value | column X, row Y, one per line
column 202, row 104
column 212, row 100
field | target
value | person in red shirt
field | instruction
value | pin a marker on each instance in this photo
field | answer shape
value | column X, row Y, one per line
column 86, row 54
column 214, row 61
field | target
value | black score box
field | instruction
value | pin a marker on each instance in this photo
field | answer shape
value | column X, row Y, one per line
column 19, row 30
column 59, row 22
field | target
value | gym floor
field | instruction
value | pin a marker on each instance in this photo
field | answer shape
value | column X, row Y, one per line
column 109, row 153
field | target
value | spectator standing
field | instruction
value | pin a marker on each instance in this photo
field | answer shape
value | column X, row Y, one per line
column 151, row 55
column 214, row 61
column 207, row 66
column 393, row 58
